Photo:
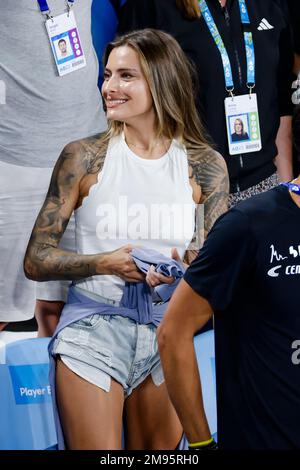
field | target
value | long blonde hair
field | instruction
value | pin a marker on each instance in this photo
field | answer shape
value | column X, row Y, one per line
column 169, row 77
column 190, row 8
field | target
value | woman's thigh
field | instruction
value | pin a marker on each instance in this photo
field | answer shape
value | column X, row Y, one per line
column 151, row 421
column 91, row 418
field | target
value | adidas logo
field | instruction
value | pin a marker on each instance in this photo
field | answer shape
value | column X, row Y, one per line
column 264, row 25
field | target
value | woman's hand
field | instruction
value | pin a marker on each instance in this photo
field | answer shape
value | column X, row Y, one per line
column 121, row 264
column 153, row 278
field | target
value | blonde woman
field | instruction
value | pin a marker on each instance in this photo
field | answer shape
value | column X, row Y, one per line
column 153, row 158
column 239, row 132
column 254, row 172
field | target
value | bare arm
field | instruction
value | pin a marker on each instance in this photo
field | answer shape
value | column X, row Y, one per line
column 186, row 314
column 211, row 175
column 214, row 181
column 44, row 261
column 284, row 161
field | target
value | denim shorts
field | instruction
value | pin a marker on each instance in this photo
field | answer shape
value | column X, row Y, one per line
column 101, row 347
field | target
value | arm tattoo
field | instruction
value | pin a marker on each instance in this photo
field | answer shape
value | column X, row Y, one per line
column 210, row 173
column 44, row 261
column 93, row 154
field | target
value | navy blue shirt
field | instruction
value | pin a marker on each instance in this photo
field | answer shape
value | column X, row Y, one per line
column 249, row 271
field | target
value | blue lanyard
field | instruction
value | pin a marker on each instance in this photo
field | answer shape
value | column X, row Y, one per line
column 250, row 55
column 44, row 7
column 295, row 188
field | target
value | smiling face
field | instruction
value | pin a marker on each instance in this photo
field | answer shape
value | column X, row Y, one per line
column 125, row 89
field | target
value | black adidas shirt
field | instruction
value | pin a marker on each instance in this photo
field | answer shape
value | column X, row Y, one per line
column 274, row 59
column 249, row 271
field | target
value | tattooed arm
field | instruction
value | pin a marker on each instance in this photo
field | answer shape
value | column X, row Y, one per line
column 211, row 175
column 44, row 261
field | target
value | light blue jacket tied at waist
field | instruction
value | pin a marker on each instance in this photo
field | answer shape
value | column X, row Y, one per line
column 139, row 302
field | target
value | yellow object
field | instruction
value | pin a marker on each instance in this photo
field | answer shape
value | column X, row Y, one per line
column 201, row 444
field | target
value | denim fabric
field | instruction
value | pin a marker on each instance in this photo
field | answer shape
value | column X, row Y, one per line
column 139, row 295
column 101, row 347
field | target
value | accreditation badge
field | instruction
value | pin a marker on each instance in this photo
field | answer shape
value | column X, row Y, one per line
column 242, row 121
column 65, row 43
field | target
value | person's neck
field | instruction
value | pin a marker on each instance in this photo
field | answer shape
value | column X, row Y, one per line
column 144, row 142
column 222, row 3
column 296, row 197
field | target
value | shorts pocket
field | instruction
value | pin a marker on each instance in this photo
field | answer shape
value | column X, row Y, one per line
column 101, row 354
column 92, row 321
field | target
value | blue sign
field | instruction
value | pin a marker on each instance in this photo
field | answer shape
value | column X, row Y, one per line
column 31, row 384
column 205, row 353
column 27, row 421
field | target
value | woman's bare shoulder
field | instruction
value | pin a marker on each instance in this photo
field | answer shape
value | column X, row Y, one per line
column 208, row 167
column 85, row 156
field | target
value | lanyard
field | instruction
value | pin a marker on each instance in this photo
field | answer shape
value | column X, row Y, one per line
column 250, row 55
column 295, row 188
column 44, row 7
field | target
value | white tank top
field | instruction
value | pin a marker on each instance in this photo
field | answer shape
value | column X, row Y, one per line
column 143, row 202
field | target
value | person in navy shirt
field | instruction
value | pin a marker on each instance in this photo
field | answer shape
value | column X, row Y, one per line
column 248, row 275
